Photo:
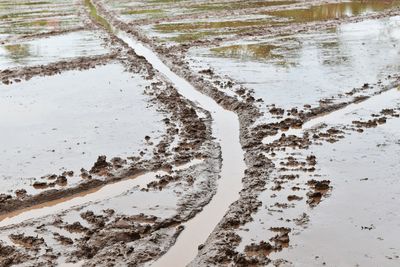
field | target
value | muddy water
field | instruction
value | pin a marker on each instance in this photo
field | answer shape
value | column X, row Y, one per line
column 278, row 13
column 336, row 229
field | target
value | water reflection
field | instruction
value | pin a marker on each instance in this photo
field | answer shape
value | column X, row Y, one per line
column 51, row 49
column 96, row 17
column 335, row 10
column 303, row 68
column 206, row 7
column 253, row 51
column 26, row 17
column 283, row 51
column 17, row 52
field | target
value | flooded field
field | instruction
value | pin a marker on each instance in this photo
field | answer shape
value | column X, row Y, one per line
column 199, row 133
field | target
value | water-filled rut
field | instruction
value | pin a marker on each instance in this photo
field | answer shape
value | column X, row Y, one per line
column 226, row 131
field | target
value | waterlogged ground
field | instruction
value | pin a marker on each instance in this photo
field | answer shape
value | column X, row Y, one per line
column 200, row 133
column 72, row 118
column 32, row 17
column 51, row 49
column 291, row 71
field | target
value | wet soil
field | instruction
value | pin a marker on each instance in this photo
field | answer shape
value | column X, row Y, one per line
column 288, row 148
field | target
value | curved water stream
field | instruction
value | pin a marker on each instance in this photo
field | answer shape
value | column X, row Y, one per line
column 226, row 129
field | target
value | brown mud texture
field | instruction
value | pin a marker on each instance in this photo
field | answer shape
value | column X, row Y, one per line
column 286, row 165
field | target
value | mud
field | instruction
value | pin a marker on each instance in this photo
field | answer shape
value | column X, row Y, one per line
column 9, row 76
column 285, row 184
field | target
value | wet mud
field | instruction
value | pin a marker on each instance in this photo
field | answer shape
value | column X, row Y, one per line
column 280, row 211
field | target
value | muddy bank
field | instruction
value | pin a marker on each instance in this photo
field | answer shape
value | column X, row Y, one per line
column 15, row 75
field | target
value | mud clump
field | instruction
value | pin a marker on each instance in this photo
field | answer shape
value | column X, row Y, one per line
column 261, row 249
column 323, row 185
column 61, row 180
column 118, row 163
column 319, row 189
column 314, row 198
column 28, row 242
column 68, row 173
column 66, row 241
column 4, row 197
column 11, row 256
column 76, row 227
column 163, row 182
column 294, row 198
column 85, row 174
column 21, row 193
column 101, row 167
column 281, row 240
column 40, row 185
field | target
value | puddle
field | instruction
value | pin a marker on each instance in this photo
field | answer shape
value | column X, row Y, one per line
column 248, row 52
column 72, row 119
column 117, row 193
column 302, row 69
column 101, row 104
column 51, row 49
column 164, row 9
column 189, row 27
column 76, row 116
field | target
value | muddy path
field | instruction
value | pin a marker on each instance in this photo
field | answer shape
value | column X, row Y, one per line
column 226, row 131
column 252, row 171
